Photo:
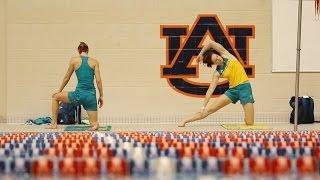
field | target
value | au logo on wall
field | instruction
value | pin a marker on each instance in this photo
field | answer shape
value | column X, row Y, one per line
column 184, row 44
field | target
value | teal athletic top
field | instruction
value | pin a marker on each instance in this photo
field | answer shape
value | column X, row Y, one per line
column 85, row 75
column 85, row 93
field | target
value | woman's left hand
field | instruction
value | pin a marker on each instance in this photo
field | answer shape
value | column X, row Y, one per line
column 199, row 58
column 100, row 102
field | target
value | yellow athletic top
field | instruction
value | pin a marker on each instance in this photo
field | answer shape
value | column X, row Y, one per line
column 233, row 71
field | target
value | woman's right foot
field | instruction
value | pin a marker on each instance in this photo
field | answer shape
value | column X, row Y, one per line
column 94, row 128
column 182, row 124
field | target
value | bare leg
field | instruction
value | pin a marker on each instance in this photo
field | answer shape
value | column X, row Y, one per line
column 62, row 96
column 219, row 103
column 249, row 113
column 93, row 119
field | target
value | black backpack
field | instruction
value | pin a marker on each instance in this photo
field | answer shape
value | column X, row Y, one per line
column 305, row 111
column 69, row 114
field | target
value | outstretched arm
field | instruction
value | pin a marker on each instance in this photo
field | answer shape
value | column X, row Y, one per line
column 99, row 83
column 212, row 45
column 202, row 114
column 211, row 88
column 67, row 76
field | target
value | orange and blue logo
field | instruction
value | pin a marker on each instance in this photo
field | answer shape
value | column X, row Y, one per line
column 184, row 44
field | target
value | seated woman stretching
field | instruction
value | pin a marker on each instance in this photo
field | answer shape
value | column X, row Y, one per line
column 85, row 93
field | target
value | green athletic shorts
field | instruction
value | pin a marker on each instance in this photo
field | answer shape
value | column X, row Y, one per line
column 242, row 92
column 87, row 99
